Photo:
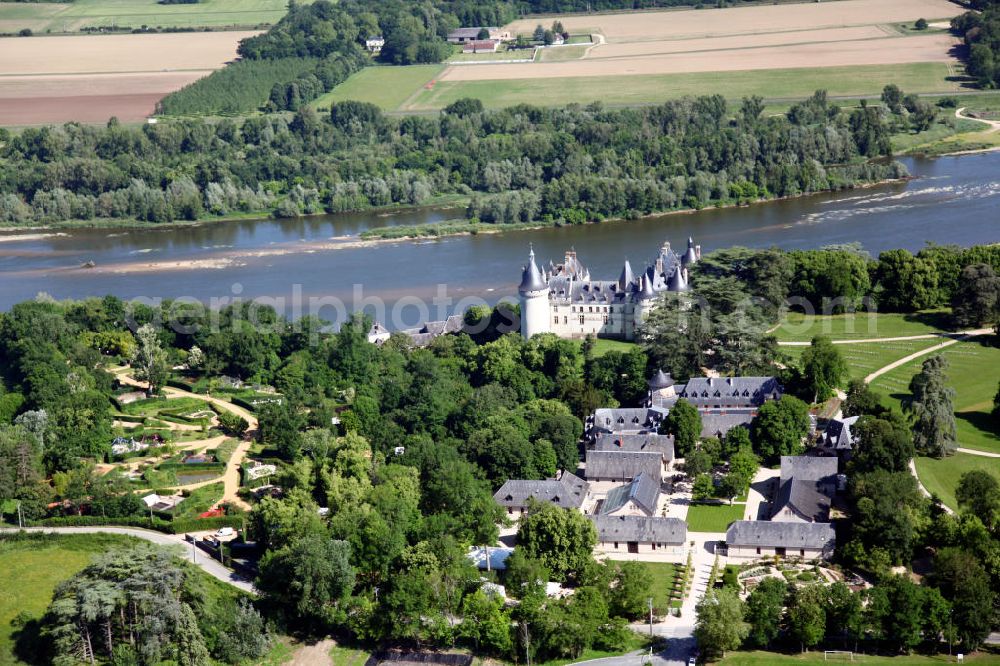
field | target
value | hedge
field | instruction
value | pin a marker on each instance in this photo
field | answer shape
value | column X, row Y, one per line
column 167, row 527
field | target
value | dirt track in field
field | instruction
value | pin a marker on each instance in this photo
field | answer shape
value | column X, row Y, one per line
column 653, row 26
column 91, row 78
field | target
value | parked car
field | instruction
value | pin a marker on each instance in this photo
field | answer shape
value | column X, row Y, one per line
column 225, row 532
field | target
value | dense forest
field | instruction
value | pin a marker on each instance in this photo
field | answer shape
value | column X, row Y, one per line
column 388, row 564
column 981, row 32
column 520, row 164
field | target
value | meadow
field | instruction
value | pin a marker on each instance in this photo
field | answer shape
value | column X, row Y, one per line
column 864, row 358
column 72, row 17
column 32, row 569
column 940, row 477
column 797, row 327
column 405, row 89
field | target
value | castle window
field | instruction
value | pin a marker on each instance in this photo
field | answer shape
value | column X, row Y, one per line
column 581, row 319
column 565, row 319
column 555, row 320
column 605, row 319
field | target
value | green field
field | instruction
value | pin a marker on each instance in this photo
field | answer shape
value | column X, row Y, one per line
column 70, row 17
column 387, row 87
column 973, row 373
column 941, row 477
column 655, row 88
column 563, row 53
column 864, row 358
column 713, row 517
column 602, row 346
column 797, row 327
column 31, row 572
column 761, row 658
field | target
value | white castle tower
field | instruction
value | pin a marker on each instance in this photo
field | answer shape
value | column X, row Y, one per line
column 534, row 292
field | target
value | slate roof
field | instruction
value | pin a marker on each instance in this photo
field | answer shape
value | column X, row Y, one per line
column 660, row 380
column 643, row 529
column 714, row 424
column 662, row 444
column 531, row 277
column 770, row 534
column 807, row 486
column 469, row 33
column 627, row 419
column 838, row 433
column 644, row 490
column 623, row 465
column 738, row 391
column 568, row 491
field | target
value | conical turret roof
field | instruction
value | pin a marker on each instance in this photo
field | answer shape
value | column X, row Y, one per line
column 531, row 277
column 660, row 380
column 677, row 280
column 646, row 291
column 626, row 278
column 690, row 256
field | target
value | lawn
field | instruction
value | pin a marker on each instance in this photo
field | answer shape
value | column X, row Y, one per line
column 774, row 84
column 602, row 346
column 974, row 369
column 32, row 569
column 713, row 517
column 387, row 87
column 797, row 327
column 940, row 477
column 864, row 358
column 562, row 53
column 201, row 500
column 502, row 55
column 44, row 17
column 342, row 655
column 663, row 575
column 761, row 658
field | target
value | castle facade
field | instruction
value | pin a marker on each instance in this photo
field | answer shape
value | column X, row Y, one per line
column 564, row 299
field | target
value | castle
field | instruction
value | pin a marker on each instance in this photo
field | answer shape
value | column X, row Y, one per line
column 565, row 300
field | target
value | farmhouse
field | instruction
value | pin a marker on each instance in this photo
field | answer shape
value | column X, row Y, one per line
column 623, row 466
column 762, row 538
column 638, row 534
column 662, row 444
column 463, row 35
column 639, row 497
column 566, row 490
column 481, row 46
column 375, row 44
column 806, row 489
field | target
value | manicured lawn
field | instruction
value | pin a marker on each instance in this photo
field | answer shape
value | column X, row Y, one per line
column 31, row 571
column 603, row 346
column 774, row 84
column 713, row 517
column 859, row 325
column 864, row 358
column 760, row 658
column 201, row 500
column 385, row 86
column 136, row 13
column 941, row 477
column 974, row 370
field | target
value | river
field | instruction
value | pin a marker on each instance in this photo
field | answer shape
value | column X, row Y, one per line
column 950, row 200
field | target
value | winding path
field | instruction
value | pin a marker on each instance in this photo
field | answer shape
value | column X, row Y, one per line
column 231, row 476
column 201, row 559
column 954, row 337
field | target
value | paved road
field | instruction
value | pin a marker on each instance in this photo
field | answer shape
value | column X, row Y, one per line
column 201, row 559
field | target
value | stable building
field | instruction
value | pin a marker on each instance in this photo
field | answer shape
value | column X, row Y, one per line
column 752, row 539
column 623, row 466
column 806, row 489
column 647, row 442
column 639, row 534
column 567, row 491
column 638, row 497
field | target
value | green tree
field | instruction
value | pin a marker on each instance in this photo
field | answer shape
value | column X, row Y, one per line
column 562, row 540
column 703, row 488
column 630, row 591
column 976, row 301
column 149, row 359
column 309, row 577
column 764, row 609
column 697, row 462
column 861, row 400
column 881, row 444
column 930, row 406
column 807, row 615
column 823, row 367
column 779, row 427
column 486, row 624
column 684, row 423
column 979, row 493
column 960, row 577
column 720, row 626
column 892, row 97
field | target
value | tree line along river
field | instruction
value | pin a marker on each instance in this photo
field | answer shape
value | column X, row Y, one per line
column 949, row 200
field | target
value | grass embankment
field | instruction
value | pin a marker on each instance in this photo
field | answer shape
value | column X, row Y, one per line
column 713, row 517
column 32, row 567
column 450, row 228
column 974, row 368
column 71, row 17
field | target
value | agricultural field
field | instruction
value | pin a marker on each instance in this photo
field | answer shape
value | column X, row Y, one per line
column 46, row 17
column 850, row 48
column 974, row 369
column 93, row 77
column 386, row 87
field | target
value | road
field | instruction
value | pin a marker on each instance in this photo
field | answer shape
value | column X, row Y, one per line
column 231, row 477
column 200, row 558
